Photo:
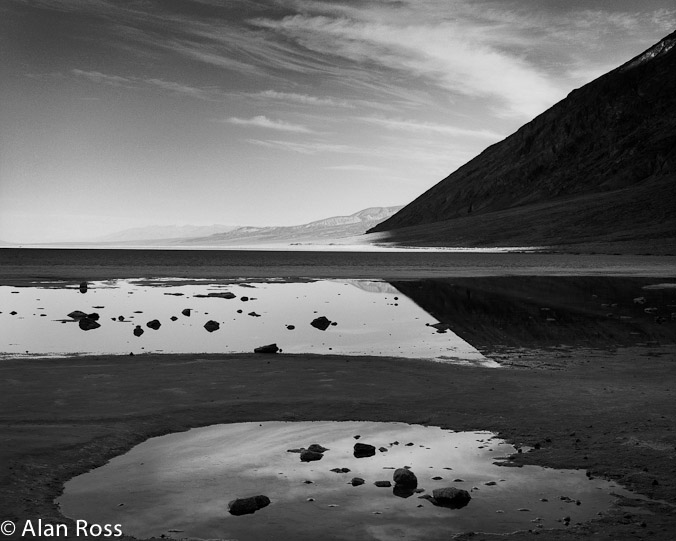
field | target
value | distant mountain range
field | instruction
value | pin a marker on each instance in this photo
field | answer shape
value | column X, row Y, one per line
column 337, row 229
column 597, row 171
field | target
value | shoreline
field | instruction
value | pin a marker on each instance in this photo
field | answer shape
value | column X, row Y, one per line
column 600, row 411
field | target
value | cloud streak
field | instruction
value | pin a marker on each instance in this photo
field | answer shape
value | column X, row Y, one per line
column 170, row 87
column 261, row 121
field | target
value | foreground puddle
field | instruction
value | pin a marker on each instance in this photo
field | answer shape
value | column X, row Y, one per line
column 180, row 485
column 364, row 318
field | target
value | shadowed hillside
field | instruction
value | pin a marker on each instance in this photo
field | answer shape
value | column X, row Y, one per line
column 598, row 168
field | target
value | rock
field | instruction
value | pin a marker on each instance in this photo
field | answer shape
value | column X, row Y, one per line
column 224, row 295
column 83, row 287
column 120, row 318
column 93, row 316
column 316, row 448
column 290, row 327
column 254, row 314
column 77, row 314
column 247, row 506
column 402, row 491
column 186, row 312
column 383, row 484
column 212, row 325
column 362, row 450
column 356, row 481
column 310, row 456
column 173, row 318
column 451, row 497
column 383, row 449
column 87, row 324
column 322, row 323
column 405, row 478
column 138, row 331
column 270, row 348
column 244, row 299
column 154, row 324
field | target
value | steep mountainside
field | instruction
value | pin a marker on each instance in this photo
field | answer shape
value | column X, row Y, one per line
column 599, row 166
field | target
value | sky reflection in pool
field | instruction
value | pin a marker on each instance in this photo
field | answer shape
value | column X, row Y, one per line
column 372, row 318
column 179, row 485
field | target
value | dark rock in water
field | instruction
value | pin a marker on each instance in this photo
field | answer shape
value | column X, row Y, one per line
column 83, row 287
column 120, row 318
column 356, row 481
column 87, row 324
column 315, row 447
column 13, row 313
column 310, row 456
column 173, row 318
column 405, row 478
column 454, row 498
column 212, row 325
column 223, row 295
column 244, row 299
column 77, row 314
column 290, row 327
column 270, row 348
column 383, row 484
column 93, row 316
column 322, row 323
column 383, row 449
column 247, row 506
column 138, row 331
column 254, row 314
column 362, row 450
column 402, row 491
column 154, row 324
column 186, row 312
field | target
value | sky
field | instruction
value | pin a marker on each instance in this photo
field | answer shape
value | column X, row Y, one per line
column 128, row 113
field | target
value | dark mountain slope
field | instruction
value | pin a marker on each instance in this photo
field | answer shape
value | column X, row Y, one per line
column 603, row 160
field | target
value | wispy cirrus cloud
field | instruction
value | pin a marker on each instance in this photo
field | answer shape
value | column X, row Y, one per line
column 430, row 127
column 261, row 121
column 311, row 147
column 302, row 99
column 171, row 87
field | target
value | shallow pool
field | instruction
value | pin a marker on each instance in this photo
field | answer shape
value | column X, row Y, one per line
column 179, row 485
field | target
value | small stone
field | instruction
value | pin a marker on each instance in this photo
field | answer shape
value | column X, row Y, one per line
column 310, row 456
column 186, row 312
column 362, row 450
column 383, row 484
column 357, row 481
column 322, row 323
column 270, row 348
column 212, row 325
column 154, row 324
column 87, row 324
column 138, row 331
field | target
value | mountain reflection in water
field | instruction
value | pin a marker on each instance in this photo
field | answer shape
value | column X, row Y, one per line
column 545, row 311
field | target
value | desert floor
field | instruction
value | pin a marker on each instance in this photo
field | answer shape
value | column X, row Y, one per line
column 611, row 413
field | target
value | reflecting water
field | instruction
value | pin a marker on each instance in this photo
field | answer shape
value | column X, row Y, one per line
column 441, row 319
column 180, row 485
column 541, row 311
column 368, row 318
